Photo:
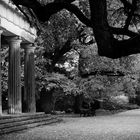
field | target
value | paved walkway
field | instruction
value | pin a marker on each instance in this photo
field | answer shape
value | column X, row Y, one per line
column 121, row 126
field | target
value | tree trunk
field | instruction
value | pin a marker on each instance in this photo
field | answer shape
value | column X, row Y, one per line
column 107, row 45
column 101, row 30
column 78, row 103
column 46, row 100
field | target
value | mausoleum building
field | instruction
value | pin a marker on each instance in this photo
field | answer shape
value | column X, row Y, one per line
column 18, row 34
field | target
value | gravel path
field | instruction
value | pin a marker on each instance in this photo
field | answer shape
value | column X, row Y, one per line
column 121, row 126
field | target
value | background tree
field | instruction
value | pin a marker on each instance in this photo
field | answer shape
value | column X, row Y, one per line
column 115, row 26
column 108, row 45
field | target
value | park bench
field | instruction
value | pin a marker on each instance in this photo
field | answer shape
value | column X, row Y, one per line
column 87, row 112
column 84, row 112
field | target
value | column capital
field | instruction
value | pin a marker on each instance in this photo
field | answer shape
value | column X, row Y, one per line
column 14, row 39
column 1, row 31
column 29, row 47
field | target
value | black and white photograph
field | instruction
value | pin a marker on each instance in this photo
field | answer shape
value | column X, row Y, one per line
column 69, row 69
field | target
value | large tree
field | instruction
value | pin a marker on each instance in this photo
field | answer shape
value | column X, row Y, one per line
column 108, row 44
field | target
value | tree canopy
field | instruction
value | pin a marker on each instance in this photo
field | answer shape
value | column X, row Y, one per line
column 100, row 11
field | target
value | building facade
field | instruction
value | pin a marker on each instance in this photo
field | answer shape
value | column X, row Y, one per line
column 18, row 35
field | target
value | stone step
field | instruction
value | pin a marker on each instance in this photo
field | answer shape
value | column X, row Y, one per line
column 27, row 126
column 20, row 118
column 11, row 116
column 25, row 123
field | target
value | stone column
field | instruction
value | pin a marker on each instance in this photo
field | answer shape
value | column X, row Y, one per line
column 29, row 79
column 0, row 76
column 14, row 80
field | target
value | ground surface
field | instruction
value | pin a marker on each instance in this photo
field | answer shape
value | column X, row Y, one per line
column 121, row 126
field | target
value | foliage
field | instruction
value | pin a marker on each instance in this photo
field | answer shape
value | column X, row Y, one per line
column 4, row 69
column 113, row 106
column 56, row 81
column 61, row 28
column 115, row 12
column 107, row 18
column 101, row 87
column 91, row 87
column 90, row 61
column 112, row 35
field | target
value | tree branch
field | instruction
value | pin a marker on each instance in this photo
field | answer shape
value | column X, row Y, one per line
column 27, row 3
column 107, row 45
column 125, row 47
column 67, row 1
column 59, row 53
column 122, row 31
column 53, row 8
column 130, row 15
column 43, row 13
